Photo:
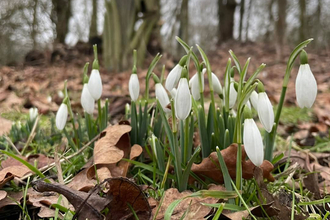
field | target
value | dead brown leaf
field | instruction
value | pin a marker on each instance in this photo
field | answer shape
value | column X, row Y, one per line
column 9, row 173
column 3, row 194
column 81, row 182
column 11, row 199
column 109, row 152
column 40, row 159
column 5, row 126
column 210, row 166
column 196, row 209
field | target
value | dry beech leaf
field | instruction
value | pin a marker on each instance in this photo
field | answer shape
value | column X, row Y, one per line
column 123, row 192
column 110, row 149
column 196, row 209
column 81, row 182
column 3, row 194
column 12, row 162
column 40, row 159
column 11, row 199
column 9, row 173
column 210, row 166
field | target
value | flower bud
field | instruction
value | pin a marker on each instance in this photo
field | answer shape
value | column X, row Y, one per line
column 87, row 101
column 232, row 95
column 95, row 84
column 254, row 100
column 162, row 96
column 265, row 111
column 33, row 112
column 134, row 87
column 306, row 87
column 182, row 100
column 253, row 142
column 61, row 116
column 216, row 84
column 175, row 74
column 194, row 85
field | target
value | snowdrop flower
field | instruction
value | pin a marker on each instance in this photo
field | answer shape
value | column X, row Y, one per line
column 248, row 104
column 182, row 101
column 162, row 97
column 134, row 87
column 60, row 94
column 175, row 74
column 49, row 99
column 232, row 94
column 95, row 84
column 253, row 142
column 173, row 92
column 254, row 100
column 87, row 101
column 216, row 84
column 265, row 111
column 194, row 85
column 33, row 113
column 61, row 116
column 306, row 86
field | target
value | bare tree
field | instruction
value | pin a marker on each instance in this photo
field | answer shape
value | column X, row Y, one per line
column 241, row 18
column 302, row 18
column 226, row 10
column 280, row 28
column 184, row 23
column 93, row 26
column 60, row 16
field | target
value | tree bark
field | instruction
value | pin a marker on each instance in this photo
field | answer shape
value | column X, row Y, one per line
column 280, row 28
column 34, row 25
column 93, row 26
column 226, row 11
column 241, row 18
column 184, row 22
column 302, row 18
column 60, row 16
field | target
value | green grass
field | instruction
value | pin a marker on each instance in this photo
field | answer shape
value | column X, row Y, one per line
column 294, row 115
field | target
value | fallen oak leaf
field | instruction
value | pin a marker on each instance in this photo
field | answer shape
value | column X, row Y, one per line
column 124, row 192
column 210, row 166
column 113, row 145
column 9, row 173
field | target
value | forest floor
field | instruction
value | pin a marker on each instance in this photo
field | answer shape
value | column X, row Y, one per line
column 23, row 87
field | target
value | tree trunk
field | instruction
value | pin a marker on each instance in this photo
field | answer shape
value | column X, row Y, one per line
column 270, row 32
column 34, row 25
column 226, row 11
column 241, row 18
column 280, row 28
column 60, row 15
column 183, row 30
column 93, row 27
column 120, row 38
column 302, row 18
column 248, row 21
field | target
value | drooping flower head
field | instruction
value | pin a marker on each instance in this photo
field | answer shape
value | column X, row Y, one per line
column 254, row 100
column 33, row 113
column 62, row 115
column 265, row 109
column 182, row 101
column 252, row 139
column 161, row 94
column 306, row 86
column 86, row 99
column 134, row 85
column 194, row 85
column 175, row 74
column 95, row 81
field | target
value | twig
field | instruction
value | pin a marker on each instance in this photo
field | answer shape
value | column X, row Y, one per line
column 32, row 134
column 49, row 166
column 12, row 145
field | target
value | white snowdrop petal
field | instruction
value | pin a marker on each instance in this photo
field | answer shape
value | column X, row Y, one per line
column 265, row 111
column 232, row 95
column 87, row 101
column 194, row 85
column 61, row 116
column 217, row 88
column 306, row 87
column 33, row 112
column 253, row 142
column 95, row 84
column 182, row 101
column 254, row 100
column 134, row 87
column 162, row 96
column 173, row 77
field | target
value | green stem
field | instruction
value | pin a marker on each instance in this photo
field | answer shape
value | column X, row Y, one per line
column 239, row 168
column 186, row 157
column 100, row 114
